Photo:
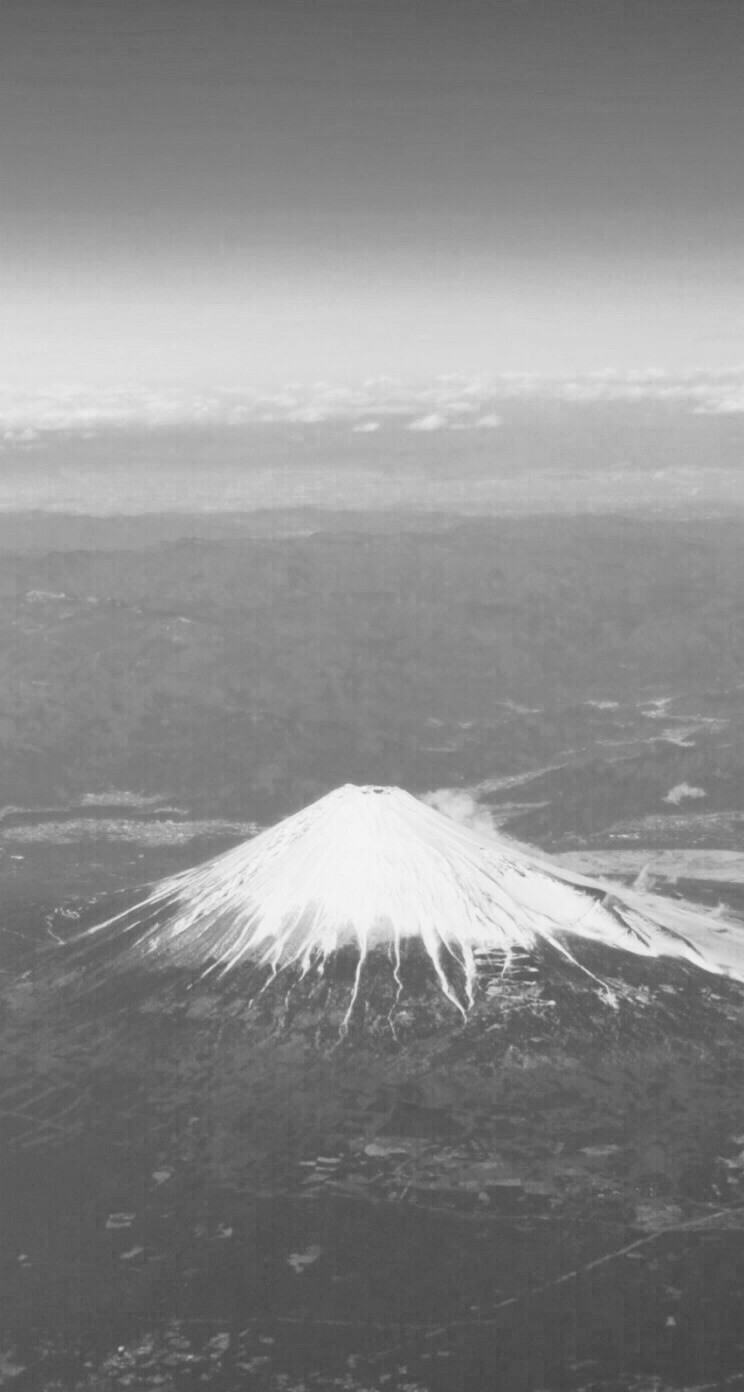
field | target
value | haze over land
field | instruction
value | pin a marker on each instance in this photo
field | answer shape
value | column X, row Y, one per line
column 488, row 446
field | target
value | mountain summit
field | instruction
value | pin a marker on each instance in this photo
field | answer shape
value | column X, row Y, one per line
column 370, row 871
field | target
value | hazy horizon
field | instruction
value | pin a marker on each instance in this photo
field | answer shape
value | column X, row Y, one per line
column 207, row 193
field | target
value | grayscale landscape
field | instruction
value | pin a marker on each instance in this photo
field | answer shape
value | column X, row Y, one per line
column 172, row 683
column 371, row 696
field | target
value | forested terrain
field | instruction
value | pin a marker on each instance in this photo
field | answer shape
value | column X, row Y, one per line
column 248, row 674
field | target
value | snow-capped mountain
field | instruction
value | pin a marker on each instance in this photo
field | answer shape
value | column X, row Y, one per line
column 372, row 874
column 374, row 982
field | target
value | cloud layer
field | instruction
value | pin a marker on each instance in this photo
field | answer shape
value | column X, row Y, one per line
column 444, row 403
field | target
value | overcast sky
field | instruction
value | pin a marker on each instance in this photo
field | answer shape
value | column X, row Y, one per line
column 221, row 191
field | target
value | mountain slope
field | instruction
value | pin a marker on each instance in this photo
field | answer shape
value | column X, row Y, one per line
column 371, row 873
